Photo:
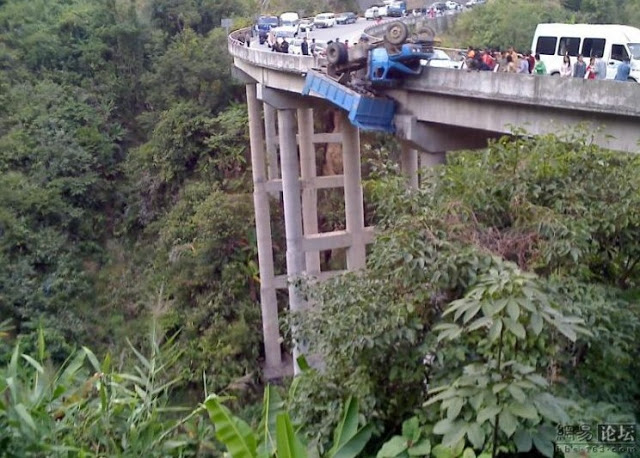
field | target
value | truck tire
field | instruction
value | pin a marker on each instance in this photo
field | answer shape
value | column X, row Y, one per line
column 397, row 33
column 337, row 53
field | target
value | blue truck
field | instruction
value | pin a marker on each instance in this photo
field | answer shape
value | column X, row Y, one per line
column 263, row 26
column 354, row 75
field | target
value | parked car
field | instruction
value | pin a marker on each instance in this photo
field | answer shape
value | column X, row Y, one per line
column 291, row 22
column 451, row 5
column 324, row 20
column 371, row 13
column 441, row 59
column 397, row 9
column 307, row 25
column 439, row 6
column 346, row 18
column 383, row 10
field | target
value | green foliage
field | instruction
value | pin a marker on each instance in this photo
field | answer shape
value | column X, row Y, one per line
column 504, row 23
column 410, row 443
column 538, row 203
column 507, row 318
column 277, row 436
column 87, row 408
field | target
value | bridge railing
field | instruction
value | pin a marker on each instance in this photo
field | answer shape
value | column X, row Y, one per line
column 264, row 57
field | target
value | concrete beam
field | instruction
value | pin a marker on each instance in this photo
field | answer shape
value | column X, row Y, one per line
column 337, row 239
column 282, row 282
column 241, row 76
column 282, row 100
column 325, row 182
column 431, row 137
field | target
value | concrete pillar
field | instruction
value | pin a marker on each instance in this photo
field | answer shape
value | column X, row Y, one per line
column 292, row 213
column 353, row 199
column 310, row 193
column 428, row 160
column 268, row 303
column 270, row 119
column 409, row 165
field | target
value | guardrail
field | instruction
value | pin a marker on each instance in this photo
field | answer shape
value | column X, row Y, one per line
column 291, row 63
column 301, row 64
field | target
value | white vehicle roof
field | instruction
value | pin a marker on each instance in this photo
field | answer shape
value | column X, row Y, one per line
column 621, row 32
column 289, row 17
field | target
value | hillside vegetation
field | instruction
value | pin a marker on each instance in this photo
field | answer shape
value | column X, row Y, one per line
column 500, row 301
column 504, row 23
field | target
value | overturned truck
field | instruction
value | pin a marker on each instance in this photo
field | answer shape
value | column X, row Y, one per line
column 352, row 75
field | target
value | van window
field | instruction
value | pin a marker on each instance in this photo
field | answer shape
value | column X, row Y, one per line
column 546, row 45
column 618, row 52
column 570, row 45
column 593, row 47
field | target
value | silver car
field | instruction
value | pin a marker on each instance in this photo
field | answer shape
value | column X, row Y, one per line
column 441, row 59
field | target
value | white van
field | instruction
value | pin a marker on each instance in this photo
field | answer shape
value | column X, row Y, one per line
column 611, row 42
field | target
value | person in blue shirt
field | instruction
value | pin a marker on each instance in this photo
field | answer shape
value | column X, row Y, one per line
column 622, row 74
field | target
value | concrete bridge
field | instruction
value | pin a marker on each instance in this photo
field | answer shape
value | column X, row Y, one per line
column 443, row 110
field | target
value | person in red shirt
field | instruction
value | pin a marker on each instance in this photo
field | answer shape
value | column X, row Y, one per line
column 488, row 60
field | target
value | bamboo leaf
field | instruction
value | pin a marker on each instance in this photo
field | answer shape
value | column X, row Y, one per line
column 25, row 416
column 35, row 364
column 288, row 444
column 347, row 427
column 355, row 445
column 234, row 433
column 272, row 405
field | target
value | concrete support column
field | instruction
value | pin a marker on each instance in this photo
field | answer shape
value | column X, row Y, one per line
column 292, row 212
column 270, row 119
column 353, row 199
column 268, row 303
column 428, row 160
column 409, row 165
column 309, row 193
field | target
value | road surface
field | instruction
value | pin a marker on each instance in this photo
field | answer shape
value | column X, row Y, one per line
column 351, row 32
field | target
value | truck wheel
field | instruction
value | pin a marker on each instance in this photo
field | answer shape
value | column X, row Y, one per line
column 397, row 33
column 337, row 53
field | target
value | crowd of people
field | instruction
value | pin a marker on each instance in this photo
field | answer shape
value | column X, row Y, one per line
column 510, row 61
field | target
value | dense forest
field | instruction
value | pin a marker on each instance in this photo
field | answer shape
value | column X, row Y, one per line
column 501, row 298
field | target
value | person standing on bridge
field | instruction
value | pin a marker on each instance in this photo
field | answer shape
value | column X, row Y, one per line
column 591, row 69
column 284, row 46
column 622, row 73
column 580, row 68
column 540, row 68
column 565, row 68
column 304, row 47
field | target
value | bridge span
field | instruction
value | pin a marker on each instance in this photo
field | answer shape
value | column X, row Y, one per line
column 443, row 110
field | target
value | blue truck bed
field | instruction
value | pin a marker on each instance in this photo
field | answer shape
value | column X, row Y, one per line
column 366, row 113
